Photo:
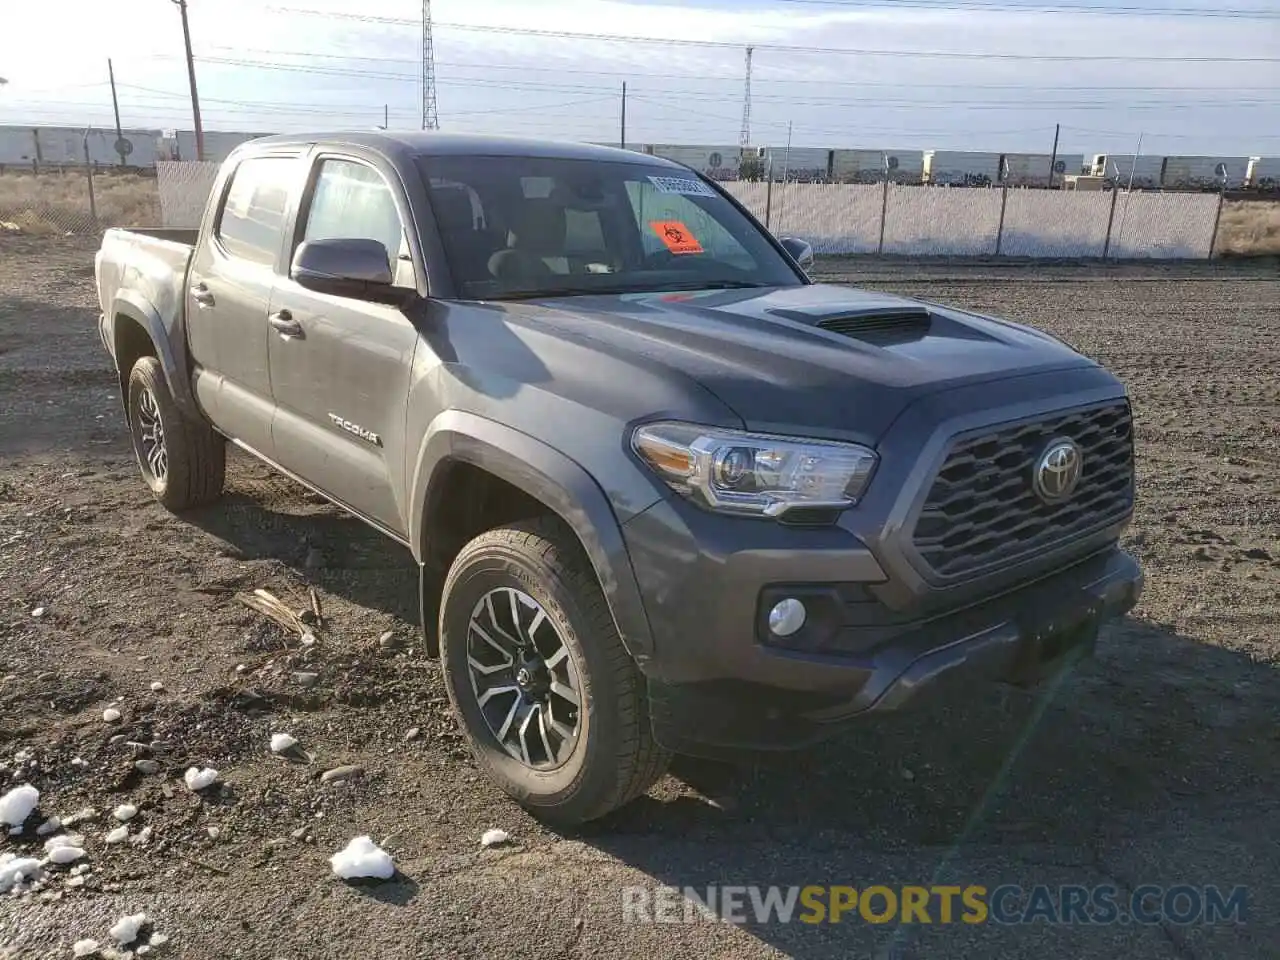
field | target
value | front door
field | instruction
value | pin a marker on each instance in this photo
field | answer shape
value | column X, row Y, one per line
column 229, row 290
column 340, row 368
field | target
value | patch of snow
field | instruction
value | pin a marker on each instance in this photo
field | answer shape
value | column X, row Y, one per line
column 118, row 835
column 159, row 939
column 15, row 870
column 308, row 639
column 141, row 837
column 125, row 812
column 51, row 825
column 111, row 715
column 82, row 868
column 362, row 858
column 84, row 948
column 64, row 840
column 280, row 742
column 197, row 780
column 126, row 929
column 64, row 853
column 79, row 762
column 38, row 612
column 17, row 804
column 213, row 832
column 494, row 837
column 156, row 686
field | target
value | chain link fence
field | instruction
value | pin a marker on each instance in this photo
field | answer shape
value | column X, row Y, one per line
column 907, row 220
column 887, row 218
column 77, row 200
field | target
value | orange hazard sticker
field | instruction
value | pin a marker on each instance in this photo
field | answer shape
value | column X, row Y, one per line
column 677, row 237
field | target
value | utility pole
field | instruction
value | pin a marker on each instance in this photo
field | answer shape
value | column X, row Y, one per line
column 191, row 75
column 744, row 135
column 115, row 106
column 1053, row 158
column 386, row 117
column 622, row 137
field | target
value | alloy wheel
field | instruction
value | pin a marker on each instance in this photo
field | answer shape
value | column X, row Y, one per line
column 151, row 436
column 524, row 678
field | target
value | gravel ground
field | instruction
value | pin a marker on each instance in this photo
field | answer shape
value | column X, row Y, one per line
column 1157, row 762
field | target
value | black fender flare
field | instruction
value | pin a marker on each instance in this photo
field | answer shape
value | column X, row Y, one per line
column 553, row 479
column 130, row 304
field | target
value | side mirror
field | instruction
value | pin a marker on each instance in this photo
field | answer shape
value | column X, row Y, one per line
column 800, row 250
column 348, row 267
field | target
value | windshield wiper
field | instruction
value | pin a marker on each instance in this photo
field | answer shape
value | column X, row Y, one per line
column 555, row 292
column 719, row 285
column 628, row 288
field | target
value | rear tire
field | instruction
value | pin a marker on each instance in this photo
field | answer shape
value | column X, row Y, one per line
column 534, row 577
column 183, row 461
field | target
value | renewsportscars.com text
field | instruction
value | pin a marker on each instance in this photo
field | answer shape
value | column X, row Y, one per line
column 937, row 904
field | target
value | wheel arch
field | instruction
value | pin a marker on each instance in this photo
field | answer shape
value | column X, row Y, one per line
column 461, row 444
column 138, row 331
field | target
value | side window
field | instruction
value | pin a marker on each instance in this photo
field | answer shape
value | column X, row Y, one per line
column 351, row 200
column 252, row 218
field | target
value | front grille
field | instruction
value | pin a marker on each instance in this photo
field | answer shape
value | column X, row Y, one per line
column 982, row 511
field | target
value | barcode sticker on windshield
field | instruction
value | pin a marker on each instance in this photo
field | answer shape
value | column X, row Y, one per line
column 693, row 188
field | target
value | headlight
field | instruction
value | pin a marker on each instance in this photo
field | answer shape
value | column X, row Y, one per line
column 757, row 474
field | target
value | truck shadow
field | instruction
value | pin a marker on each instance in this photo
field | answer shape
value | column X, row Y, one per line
column 266, row 516
column 1161, row 745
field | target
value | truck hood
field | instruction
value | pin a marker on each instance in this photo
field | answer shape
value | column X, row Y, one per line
column 818, row 359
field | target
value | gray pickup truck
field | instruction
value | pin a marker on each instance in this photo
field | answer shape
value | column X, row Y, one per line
column 666, row 493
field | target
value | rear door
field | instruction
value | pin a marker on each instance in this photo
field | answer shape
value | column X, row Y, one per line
column 228, row 291
column 341, row 379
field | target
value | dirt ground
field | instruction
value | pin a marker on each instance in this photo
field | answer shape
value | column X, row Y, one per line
column 1157, row 762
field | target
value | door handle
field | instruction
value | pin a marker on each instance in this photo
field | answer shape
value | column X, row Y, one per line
column 202, row 295
column 285, row 325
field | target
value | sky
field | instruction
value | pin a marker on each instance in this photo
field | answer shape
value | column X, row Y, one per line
column 1188, row 76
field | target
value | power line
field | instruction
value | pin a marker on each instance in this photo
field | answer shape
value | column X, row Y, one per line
column 1006, row 7
column 782, row 48
column 806, row 100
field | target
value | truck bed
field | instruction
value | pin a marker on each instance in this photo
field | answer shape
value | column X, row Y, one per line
column 144, row 266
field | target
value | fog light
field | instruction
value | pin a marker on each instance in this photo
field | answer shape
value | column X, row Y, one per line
column 786, row 617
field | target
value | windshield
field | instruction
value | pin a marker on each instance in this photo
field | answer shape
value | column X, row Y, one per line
column 526, row 226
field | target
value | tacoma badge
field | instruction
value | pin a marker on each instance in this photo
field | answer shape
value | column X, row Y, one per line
column 359, row 431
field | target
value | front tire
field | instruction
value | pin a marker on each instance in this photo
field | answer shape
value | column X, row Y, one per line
column 554, row 707
column 183, row 461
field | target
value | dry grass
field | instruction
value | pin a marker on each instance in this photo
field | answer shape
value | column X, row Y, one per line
column 1249, row 228
column 55, row 203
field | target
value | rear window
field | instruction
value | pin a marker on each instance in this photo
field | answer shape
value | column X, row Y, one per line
column 252, row 218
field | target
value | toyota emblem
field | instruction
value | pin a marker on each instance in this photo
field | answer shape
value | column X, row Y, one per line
column 1058, row 470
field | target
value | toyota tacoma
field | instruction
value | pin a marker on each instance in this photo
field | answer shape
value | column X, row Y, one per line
column 666, row 493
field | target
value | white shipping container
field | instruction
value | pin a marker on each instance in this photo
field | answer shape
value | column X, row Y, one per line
column 1202, row 172
column 1118, row 167
column 719, row 163
column 800, row 163
column 961, row 167
column 218, row 144
column 1264, row 173
column 1032, row 169
column 868, row 166
column 65, row 146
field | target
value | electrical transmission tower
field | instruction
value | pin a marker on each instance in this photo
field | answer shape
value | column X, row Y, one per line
column 744, row 138
column 430, row 118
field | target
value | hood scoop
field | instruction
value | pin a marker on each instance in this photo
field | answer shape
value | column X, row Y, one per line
column 895, row 325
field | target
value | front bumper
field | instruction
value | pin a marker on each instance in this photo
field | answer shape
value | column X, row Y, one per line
column 716, row 686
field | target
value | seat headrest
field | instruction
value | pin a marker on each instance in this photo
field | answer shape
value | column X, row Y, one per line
column 453, row 210
column 539, row 228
